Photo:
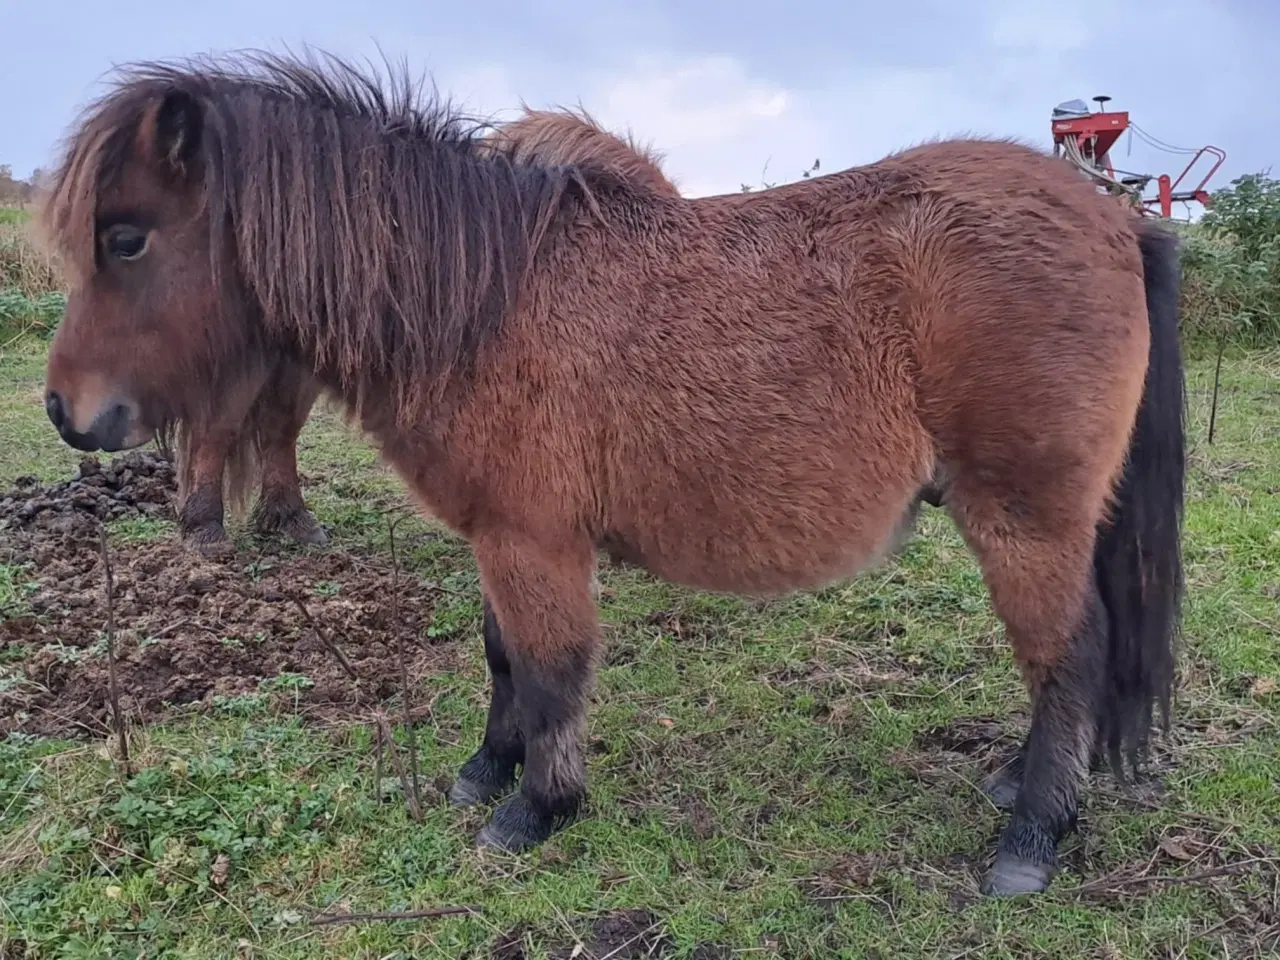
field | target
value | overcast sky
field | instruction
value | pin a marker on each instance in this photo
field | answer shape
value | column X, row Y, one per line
column 722, row 88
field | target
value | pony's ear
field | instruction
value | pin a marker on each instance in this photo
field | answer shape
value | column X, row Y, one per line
column 172, row 130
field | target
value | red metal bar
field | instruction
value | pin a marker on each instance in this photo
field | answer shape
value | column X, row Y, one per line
column 1213, row 152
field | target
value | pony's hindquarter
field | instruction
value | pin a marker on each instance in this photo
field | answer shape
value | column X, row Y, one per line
column 1078, row 535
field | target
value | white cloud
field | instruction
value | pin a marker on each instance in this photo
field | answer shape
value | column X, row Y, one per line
column 695, row 102
column 715, row 124
column 719, row 123
column 485, row 89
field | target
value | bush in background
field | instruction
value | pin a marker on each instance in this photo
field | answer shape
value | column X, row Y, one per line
column 1231, row 266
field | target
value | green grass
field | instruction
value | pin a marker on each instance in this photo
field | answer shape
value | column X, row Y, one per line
column 767, row 778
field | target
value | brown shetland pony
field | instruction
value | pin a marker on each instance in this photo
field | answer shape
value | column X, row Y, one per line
column 254, row 430
column 746, row 393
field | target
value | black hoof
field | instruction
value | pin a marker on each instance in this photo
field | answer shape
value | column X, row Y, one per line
column 517, row 825
column 1013, row 876
column 308, row 532
column 1002, row 788
column 481, row 779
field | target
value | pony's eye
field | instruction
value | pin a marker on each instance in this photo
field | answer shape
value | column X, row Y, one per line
column 125, row 242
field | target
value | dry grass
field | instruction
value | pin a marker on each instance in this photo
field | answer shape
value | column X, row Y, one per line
column 24, row 266
column 31, row 291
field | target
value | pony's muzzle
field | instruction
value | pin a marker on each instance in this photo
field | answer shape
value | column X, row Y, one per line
column 114, row 427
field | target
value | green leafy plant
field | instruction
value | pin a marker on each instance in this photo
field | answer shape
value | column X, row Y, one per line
column 1231, row 266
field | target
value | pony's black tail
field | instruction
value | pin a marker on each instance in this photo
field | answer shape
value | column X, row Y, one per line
column 1138, row 556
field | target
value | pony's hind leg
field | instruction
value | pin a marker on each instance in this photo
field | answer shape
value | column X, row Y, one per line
column 543, row 600
column 1066, row 700
column 1002, row 786
column 280, row 415
column 1037, row 564
column 492, row 769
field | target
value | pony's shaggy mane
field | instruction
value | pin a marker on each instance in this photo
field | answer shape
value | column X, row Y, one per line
column 377, row 225
column 572, row 136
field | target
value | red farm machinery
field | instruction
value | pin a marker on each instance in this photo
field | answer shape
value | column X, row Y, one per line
column 1085, row 138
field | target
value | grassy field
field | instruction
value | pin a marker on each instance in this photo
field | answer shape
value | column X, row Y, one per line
column 791, row 779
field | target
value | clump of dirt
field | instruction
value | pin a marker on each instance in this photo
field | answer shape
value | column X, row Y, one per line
column 618, row 935
column 139, row 484
column 191, row 632
column 969, row 736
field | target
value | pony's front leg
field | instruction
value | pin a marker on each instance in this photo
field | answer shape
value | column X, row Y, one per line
column 491, row 770
column 542, row 602
column 281, row 413
column 200, row 515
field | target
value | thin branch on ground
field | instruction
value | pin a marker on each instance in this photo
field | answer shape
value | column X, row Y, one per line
column 327, row 919
column 377, row 761
column 113, row 686
column 1113, row 883
column 415, row 809
column 415, row 805
column 327, row 640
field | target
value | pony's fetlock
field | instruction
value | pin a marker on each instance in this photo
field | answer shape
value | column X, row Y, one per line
column 483, row 777
column 521, row 822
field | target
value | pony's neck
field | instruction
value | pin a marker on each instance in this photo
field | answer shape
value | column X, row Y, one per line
column 390, row 286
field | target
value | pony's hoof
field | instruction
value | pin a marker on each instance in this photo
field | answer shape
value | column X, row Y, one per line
column 208, row 539
column 309, row 533
column 516, row 826
column 470, row 793
column 272, row 518
column 1013, row 876
column 1002, row 788
column 481, row 779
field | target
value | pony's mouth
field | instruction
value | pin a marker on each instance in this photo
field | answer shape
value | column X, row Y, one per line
column 114, row 428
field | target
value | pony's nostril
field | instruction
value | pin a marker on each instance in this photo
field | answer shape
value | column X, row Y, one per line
column 53, row 406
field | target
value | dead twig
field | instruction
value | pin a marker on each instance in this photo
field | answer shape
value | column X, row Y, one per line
column 1217, row 376
column 327, row 919
column 415, row 809
column 1227, row 870
column 327, row 640
column 377, row 761
column 415, row 806
column 113, row 686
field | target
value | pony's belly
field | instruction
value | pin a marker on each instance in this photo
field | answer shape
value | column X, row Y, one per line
column 762, row 559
